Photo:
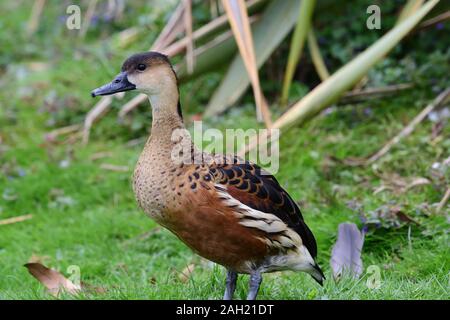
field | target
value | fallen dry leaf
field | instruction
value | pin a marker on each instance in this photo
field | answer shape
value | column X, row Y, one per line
column 54, row 281
column 186, row 273
column 388, row 216
column 405, row 218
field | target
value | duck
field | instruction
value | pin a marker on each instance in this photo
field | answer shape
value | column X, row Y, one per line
column 226, row 209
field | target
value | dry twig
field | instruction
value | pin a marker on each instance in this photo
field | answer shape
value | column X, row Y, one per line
column 435, row 20
column 35, row 17
column 52, row 135
column 88, row 17
column 444, row 200
column 355, row 94
column 188, row 28
column 94, row 114
column 113, row 167
column 240, row 25
column 15, row 219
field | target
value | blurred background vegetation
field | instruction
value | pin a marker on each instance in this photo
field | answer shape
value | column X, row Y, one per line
column 77, row 197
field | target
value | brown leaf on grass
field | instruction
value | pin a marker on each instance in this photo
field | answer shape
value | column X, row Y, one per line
column 186, row 273
column 405, row 218
column 397, row 212
column 346, row 253
column 54, row 281
column 388, row 216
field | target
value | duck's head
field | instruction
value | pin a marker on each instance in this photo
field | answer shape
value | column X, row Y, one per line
column 148, row 72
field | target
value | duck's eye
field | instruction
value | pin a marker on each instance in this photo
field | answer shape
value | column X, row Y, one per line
column 141, row 67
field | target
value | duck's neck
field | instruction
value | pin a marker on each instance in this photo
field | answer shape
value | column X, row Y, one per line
column 166, row 113
column 169, row 137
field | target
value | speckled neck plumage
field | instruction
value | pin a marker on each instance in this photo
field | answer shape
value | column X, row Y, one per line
column 155, row 170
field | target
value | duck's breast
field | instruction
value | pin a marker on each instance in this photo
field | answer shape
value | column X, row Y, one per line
column 150, row 187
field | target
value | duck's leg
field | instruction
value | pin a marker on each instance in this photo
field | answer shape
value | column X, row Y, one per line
column 230, row 285
column 255, row 282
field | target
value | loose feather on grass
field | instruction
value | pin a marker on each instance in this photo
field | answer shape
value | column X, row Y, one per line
column 346, row 253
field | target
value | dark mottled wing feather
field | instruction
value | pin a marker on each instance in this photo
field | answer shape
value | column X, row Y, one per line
column 247, row 183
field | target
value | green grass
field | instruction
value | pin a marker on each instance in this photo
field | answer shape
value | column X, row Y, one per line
column 101, row 230
column 87, row 216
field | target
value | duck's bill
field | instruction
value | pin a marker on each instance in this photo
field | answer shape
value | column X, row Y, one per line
column 119, row 84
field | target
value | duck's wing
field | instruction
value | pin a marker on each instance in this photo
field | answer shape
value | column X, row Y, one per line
column 259, row 190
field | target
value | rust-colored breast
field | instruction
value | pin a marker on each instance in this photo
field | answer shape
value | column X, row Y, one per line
column 212, row 229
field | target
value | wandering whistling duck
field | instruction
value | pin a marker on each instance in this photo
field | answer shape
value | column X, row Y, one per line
column 227, row 210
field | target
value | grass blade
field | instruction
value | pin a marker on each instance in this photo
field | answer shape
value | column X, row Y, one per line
column 316, row 56
column 297, row 43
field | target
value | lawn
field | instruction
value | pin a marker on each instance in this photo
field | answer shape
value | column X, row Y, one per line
column 85, row 215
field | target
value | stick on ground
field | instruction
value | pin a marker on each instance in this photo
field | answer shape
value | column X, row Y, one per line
column 369, row 92
column 444, row 200
column 15, row 219
column 35, row 17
